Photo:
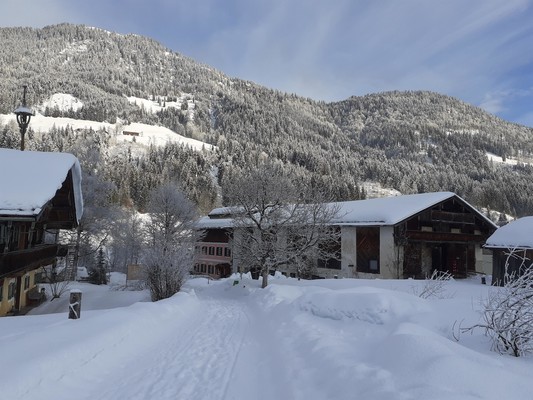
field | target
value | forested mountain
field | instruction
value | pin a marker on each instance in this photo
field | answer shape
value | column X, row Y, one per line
column 410, row 141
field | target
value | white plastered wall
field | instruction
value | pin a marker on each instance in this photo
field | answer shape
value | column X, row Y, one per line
column 389, row 259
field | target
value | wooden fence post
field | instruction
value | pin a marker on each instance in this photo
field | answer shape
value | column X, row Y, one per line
column 74, row 307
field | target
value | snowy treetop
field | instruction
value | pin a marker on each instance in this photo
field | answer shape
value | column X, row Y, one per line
column 516, row 234
column 30, row 179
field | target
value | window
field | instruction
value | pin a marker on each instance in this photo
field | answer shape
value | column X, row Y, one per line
column 11, row 290
column 13, row 238
column 219, row 251
column 3, row 236
column 211, row 251
column 1, row 290
column 204, row 250
column 211, row 269
column 227, row 252
column 368, row 250
column 26, row 282
column 331, row 263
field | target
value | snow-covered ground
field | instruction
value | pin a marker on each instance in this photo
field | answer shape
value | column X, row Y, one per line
column 326, row 339
column 153, row 106
column 500, row 160
column 62, row 102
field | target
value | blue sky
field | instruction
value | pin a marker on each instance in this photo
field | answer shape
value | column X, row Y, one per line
column 480, row 51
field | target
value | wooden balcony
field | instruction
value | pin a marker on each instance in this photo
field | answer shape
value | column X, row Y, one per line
column 28, row 259
column 422, row 236
column 213, row 253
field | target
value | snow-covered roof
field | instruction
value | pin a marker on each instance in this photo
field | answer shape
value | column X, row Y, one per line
column 372, row 212
column 516, row 234
column 387, row 210
column 29, row 179
column 222, row 211
column 215, row 223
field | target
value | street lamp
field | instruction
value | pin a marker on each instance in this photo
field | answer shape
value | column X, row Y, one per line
column 24, row 115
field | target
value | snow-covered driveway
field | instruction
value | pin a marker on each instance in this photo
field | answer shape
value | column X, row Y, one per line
column 194, row 346
column 308, row 340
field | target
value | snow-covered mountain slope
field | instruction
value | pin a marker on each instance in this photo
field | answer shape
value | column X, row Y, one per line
column 142, row 134
column 61, row 102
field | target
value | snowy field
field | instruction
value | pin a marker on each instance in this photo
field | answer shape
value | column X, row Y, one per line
column 326, row 339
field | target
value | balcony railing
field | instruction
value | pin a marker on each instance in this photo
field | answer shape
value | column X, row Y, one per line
column 28, row 259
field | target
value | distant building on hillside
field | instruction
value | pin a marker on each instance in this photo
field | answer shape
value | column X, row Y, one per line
column 392, row 237
column 130, row 133
column 40, row 194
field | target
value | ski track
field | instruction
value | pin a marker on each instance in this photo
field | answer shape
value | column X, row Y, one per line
column 223, row 350
column 197, row 359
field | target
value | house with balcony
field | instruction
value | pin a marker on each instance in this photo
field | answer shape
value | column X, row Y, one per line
column 213, row 252
column 406, row 236
column 40, row 193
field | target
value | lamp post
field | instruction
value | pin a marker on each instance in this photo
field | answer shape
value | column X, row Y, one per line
column 24, row 115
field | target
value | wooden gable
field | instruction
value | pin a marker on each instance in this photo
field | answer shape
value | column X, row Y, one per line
column 452, row 220
column 60, row 211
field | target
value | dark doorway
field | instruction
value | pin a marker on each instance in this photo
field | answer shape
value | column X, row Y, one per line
column 223, row 270
column 439, row 258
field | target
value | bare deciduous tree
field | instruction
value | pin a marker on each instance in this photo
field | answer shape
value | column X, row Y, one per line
column 57, row 280
column 508, row 310
column 279, row 223
column 434, row 286
column 127, row 239
column 170, row 252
